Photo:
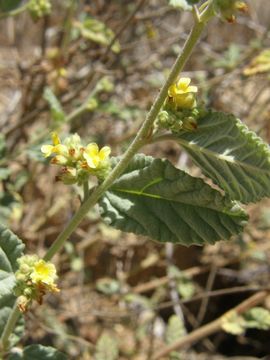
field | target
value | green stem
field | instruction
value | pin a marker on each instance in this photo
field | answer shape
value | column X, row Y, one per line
column 141, row 139
column 85, row 190
column 9, row 327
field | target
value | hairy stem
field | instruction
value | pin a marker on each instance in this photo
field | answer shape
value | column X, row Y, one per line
column 143, row 136
column 140, row 140
column 9, row 327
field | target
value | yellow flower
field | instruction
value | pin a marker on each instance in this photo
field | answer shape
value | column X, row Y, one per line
column 96, row 158
column 43, row 272
column 182, row 94
column 56, row 148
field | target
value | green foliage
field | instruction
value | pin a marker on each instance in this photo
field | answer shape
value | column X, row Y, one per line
column 155, row 199
column 175, row 330
column 256, row 318
column 108, row 286
column 38, row 352
column 230, row 58
column 8, row 5
column 234, row 157
column 183, row 4
column 57, row 112
column 98, row 32
column 11, row 248
column 185, row 285
column 107, row 348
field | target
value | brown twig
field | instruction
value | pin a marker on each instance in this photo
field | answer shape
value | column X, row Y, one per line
column 210, row 328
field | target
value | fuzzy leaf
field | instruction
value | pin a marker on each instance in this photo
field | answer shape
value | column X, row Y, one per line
column 234, row 157
column 57, row 111
column 155, row 199
column 37, row 352
column 11, row 248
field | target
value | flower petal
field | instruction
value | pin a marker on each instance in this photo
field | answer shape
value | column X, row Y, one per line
column 55, row 138
column 192, row 89
column 104, row 153
column 183, row 83
column 47, row 150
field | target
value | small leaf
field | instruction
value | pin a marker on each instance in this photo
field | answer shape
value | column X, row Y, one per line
column 8, row 5
column 260, row 64
column 108, row 286
column 107, row 348
column 155, row 199
column 258, row 318
column 57, row 111
column 97, row 31
column 38, row 352
column 183, row 4
column 233, row 323
column 175, row 330
column 234, row 157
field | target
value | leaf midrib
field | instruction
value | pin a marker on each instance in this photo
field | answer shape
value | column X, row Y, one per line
column 226, row 158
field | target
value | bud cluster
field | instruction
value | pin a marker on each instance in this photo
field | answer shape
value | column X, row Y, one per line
column 180, row 111
column 39, row 8
column 227, row 9
column 77, row 162
column 34, row 279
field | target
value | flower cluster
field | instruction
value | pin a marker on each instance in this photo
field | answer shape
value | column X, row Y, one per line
column 39, row 8
column 182, row 94
column 77, row 162
column 34, row 278
column 180, row 111
column 227, row 9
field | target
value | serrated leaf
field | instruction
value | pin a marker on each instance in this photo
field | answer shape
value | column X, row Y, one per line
column 183, row 4
column 8, row 5
column 234, row 157
column 11, row 248
column 38, row 352
column 155, row 199
column 57, row 111
column 107, row 348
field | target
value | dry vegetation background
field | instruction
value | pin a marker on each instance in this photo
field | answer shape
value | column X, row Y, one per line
column 114, row 286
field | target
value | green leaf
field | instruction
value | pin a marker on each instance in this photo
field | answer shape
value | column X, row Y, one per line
column 107, row 348
column 258, row 318
column 175, row 330
column 97, row 31
column 183, row 4
column 8, row 5
column 57, row 111
column 231, row 155
column 155, row 199
column 37, row 352
column 11, row 248
column 233, row 323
